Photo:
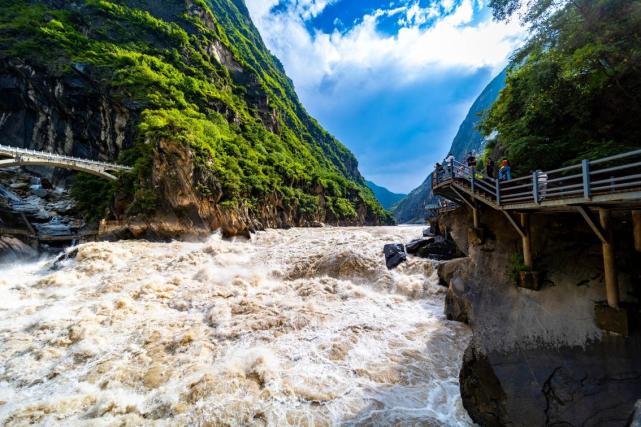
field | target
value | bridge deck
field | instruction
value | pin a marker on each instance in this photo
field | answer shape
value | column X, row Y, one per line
column 23, row 157
column 612, row 181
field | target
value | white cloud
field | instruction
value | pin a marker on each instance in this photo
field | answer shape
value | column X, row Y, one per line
column 453, row 41
column 395, row 100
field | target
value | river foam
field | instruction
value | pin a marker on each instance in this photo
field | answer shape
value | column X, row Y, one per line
column 296, row 327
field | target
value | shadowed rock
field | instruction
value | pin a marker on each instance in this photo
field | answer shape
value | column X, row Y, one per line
column 394, row 255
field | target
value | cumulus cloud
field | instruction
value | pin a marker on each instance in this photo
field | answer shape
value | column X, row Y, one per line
column 434, row 53
column 453, row 40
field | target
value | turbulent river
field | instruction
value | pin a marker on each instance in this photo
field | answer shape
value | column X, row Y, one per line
column 296, row 327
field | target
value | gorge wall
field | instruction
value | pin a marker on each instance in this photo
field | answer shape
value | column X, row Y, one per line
column 186, row 92
column 538, row 357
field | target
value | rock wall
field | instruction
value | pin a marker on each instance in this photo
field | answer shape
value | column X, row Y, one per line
column 537, row 357
column 65, row 115
column 186, row 213
column 191, row 97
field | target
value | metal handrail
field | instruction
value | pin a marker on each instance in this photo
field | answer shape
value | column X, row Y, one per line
column 15, row 152
column 624, row 170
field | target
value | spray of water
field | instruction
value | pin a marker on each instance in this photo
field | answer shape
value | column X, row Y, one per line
column 296, row 327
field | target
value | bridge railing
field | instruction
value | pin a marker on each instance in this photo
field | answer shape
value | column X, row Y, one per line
column 610, row 175
column 16, row 152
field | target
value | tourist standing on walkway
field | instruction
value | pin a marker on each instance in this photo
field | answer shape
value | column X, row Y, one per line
column 489, row 168
column 449, row 162
column 505, row 173
column 471, row 163
column 542, row 183
column 471, row 160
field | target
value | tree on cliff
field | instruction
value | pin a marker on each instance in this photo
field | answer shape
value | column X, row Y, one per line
column 574, row 90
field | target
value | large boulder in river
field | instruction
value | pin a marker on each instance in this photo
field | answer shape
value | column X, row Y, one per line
column 12, row 249
column 394, row 255
column 439, row 249
column 415, row 245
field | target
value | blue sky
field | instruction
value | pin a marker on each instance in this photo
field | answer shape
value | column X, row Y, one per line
column 391, row 79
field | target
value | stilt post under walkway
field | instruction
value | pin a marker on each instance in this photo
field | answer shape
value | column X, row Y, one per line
column 636, row 222
column 475, row 217
column 528, row 260
column 609, row 261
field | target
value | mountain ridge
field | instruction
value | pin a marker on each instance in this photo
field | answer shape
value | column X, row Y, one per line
column 412, row 208
column 186, row 92
column 386, row 197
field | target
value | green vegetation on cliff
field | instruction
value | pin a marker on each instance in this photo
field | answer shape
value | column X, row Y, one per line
column 194, row 73
column 574, row 90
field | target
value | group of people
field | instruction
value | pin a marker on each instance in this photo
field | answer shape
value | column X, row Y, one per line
column 504, row 172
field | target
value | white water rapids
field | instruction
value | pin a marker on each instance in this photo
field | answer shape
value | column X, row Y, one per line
column 296, row 327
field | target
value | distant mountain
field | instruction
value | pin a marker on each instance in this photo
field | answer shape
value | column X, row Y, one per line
column 411, row 209
column 384, row 196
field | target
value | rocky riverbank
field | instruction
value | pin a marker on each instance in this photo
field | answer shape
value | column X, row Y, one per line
column 31, row 205
column 538, row 357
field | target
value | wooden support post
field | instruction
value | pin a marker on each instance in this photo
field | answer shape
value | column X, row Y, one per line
column 636, row 222
column 609, row 261
column 527, row 241
column 475, row 216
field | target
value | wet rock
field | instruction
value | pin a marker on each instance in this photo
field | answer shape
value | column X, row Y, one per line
column 481, row 391
column 415, row 245
column 635, row 418
column 427, row 232
column 40, row 192
column 58, row 263
column 451, row 269
column 457, row 307
column 439, row 249
column 46, row 184
column 12, row 249
column 394, row 255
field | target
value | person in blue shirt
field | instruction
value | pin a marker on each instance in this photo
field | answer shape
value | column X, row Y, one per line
column 505, row 172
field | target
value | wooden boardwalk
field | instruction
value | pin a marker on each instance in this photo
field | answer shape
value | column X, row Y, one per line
column 590, row 187
column 612, row 181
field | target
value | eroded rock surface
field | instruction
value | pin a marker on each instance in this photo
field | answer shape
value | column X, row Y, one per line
column 538, row 358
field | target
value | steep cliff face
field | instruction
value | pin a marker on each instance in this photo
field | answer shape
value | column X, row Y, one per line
column 411, row 209
column 186, row 92
column 538, row 357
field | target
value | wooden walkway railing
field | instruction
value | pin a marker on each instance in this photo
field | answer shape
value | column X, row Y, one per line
column 599, row 185
column 610, row 179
